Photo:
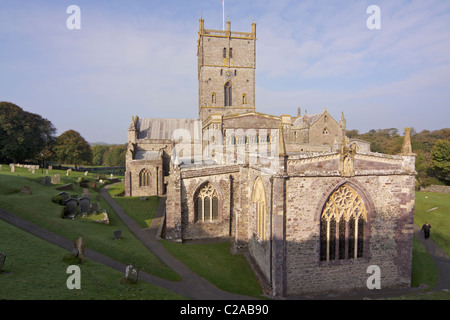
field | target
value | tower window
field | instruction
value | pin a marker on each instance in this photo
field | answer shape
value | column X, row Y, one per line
column 213, row 98
column 224, row 52
column 235, row 73
column 227, row 94
column 244, row 98
column 231, row 53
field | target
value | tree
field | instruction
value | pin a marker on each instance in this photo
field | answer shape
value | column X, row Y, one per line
column 440, row 159
column 70, row 147
column 115, row 156
column 23, row 135
column 98, row 152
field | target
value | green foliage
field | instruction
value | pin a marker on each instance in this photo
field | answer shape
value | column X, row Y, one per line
column 109, row 155
column 70, row 147
column 23, row 135
column 440, row 159
column 428, row 172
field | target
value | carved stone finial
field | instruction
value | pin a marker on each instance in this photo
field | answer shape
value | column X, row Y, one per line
column 406, row 148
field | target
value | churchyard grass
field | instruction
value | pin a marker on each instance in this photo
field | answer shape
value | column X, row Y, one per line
column 434, row 208
column 34, row 270
column 424, row 270
column 39, row 209
column 218, row 265
column 136, row 207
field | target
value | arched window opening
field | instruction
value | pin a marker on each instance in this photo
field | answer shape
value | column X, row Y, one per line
column 144, row 178
column 244, row 98
column 207, row 204
column 227, row 94
column 259, row 198
column 342, row 226
column 213, row 98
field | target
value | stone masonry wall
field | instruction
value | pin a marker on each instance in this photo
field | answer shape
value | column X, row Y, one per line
column 389, row 204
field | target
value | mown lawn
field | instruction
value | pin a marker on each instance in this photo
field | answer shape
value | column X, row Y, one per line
column 39, row 209
column 216, row 264
column 434, row 208
column 141, row 209
column 34, row 270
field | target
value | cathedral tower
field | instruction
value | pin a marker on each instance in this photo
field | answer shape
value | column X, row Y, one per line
column 226, row 71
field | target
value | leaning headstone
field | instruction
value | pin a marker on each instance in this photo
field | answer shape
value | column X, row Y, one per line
column 85, row 204
column 132, row 273
column 71, row 208
column 86, row 173
column 2, row 260
column 117, row 234
column 79, row 245
column 25, row 190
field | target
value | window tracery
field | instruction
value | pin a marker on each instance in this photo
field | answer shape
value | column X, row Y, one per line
column 207, row 204
column 342, row 225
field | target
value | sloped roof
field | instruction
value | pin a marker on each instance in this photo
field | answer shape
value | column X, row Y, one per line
column 161, row 128
column 311, row 118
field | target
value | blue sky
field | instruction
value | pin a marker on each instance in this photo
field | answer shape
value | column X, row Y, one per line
column 138, row 57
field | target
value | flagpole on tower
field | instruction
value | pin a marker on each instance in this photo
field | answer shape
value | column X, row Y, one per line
column 223, row 14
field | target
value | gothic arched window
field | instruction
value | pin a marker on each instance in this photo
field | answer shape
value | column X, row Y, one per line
column 342, row 226
column 144, row 178
column 259, row 198
column 227, row 94
column 207, row 204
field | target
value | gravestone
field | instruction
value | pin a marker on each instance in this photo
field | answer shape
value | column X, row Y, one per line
column 47, row 181
column 85, row 204
column 117, row 234
column 132, row 273
column 79, row 245
column 71, row 208
column 86, row 173
column 56, row 178
column 95, row 206
column 25, row 190
column 50, row 167
column 104, row 219
column 13, row 168
column 64, row 195
column 2, row 260
column 85, row 193
column 0, row 167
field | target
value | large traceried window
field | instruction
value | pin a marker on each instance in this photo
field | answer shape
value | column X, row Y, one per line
column 259, row 198
column 342, row 226
column 227, row 94
column 207, row 204
column 144, row 178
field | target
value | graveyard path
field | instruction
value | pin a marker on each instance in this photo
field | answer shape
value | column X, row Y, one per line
column 441, row 259
column 191, row 286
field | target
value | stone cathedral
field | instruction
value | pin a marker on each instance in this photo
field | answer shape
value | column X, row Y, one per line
column 311, row 208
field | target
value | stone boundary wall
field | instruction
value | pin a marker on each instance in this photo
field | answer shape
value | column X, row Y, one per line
column 437, row 189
